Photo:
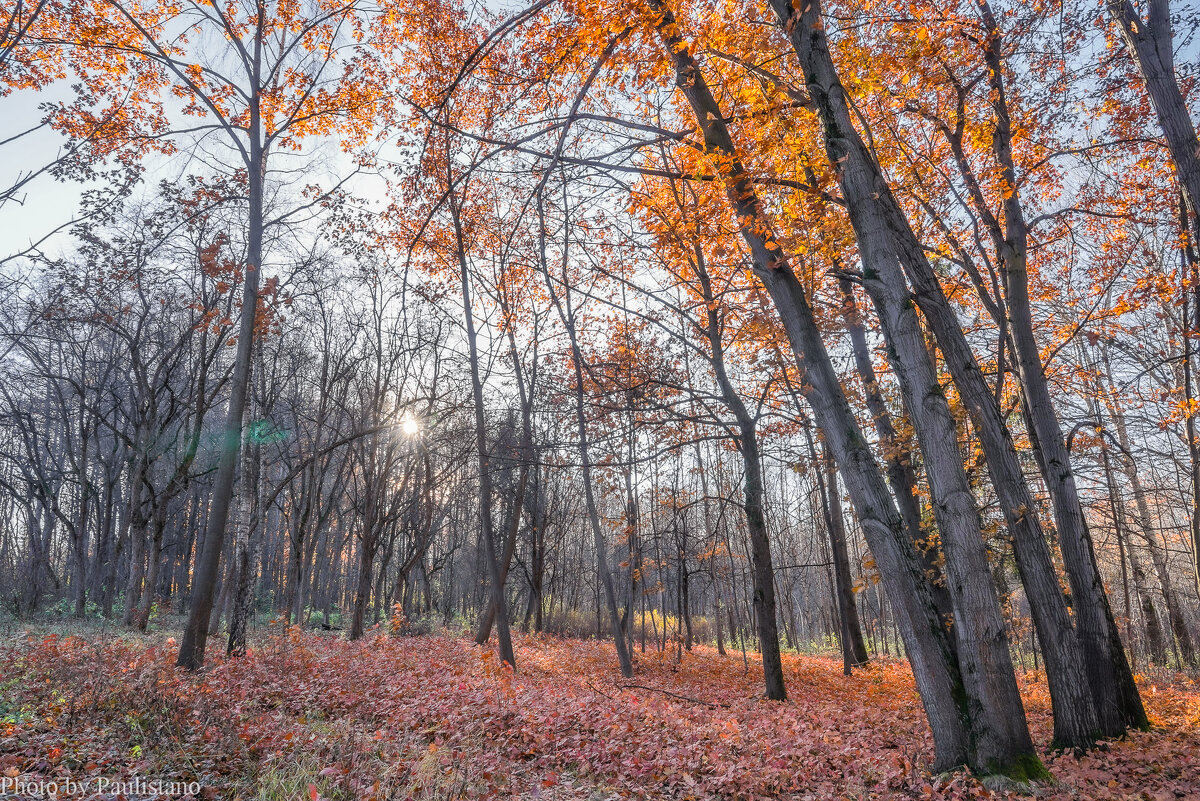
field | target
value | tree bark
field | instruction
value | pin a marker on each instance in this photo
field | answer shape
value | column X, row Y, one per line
column 854, row 648
column 870, row 200
column 899, row 462
column 1149, row 42
column 566, row 312
column 1179, row 627
column 1000, row 736
column 1109, row 672
column 249, row 544
column 158, row 526
column 752, row 501
column 926, row 640
column 207, row 570
column 368, row 545
column 487, row 618
column 485, row 470
column 137, row 562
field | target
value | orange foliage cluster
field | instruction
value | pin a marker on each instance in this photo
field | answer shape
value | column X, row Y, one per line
column 435, row 717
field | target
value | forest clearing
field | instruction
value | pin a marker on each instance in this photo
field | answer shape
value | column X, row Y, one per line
column 714, row 399
column 436, row 717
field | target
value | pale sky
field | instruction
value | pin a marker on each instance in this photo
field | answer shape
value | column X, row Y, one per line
column 45, row 202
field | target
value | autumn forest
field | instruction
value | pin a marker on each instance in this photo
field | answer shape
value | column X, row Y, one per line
column 663, row 399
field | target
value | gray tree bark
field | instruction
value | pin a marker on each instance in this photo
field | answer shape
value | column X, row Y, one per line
column 1149, row 40
column 926, row 640
column 1000, row 736
column 497, row 577
column 207, row 570
column 899, row 463
column 566, row 313
column 752, row 501
column 869, row 197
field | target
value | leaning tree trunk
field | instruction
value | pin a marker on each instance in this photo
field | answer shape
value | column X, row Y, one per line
column 208, row 564
column 566, row 313
column 1149, row 42
column 752, row 504
column 1000, row 736
column 898, row 461
column 854, row 648
column 485, row 475
column 1117, row 703
column 926, row 641
column 868, row 196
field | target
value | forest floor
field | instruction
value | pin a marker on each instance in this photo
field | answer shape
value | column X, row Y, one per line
column 312, row 717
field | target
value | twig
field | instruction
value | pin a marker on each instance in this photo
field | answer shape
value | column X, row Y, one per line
column 598, row 691
column 673, row 695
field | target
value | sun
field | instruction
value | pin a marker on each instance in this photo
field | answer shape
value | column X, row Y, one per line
column 409, row 426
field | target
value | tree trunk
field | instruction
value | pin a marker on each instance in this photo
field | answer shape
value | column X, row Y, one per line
column 362, row 591
column 566, row 313
column 898, row 460
column 1001, row 738
column 874, row 211
column 926, row 641
column 1149, row 42
column 208, row 564
column 854, row 649
column 1116, row 705
column 483, row 630
column 537, row 547
column 1190, row 325
column 249, row 545
column 485, row 475
column 137, row 561
column 79, row 538
column 760, row 542
column 298, row 539
column 764, row 574
column 1158, row 559
column 154, row 564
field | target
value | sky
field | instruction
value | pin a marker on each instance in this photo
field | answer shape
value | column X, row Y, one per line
column 44, row 203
